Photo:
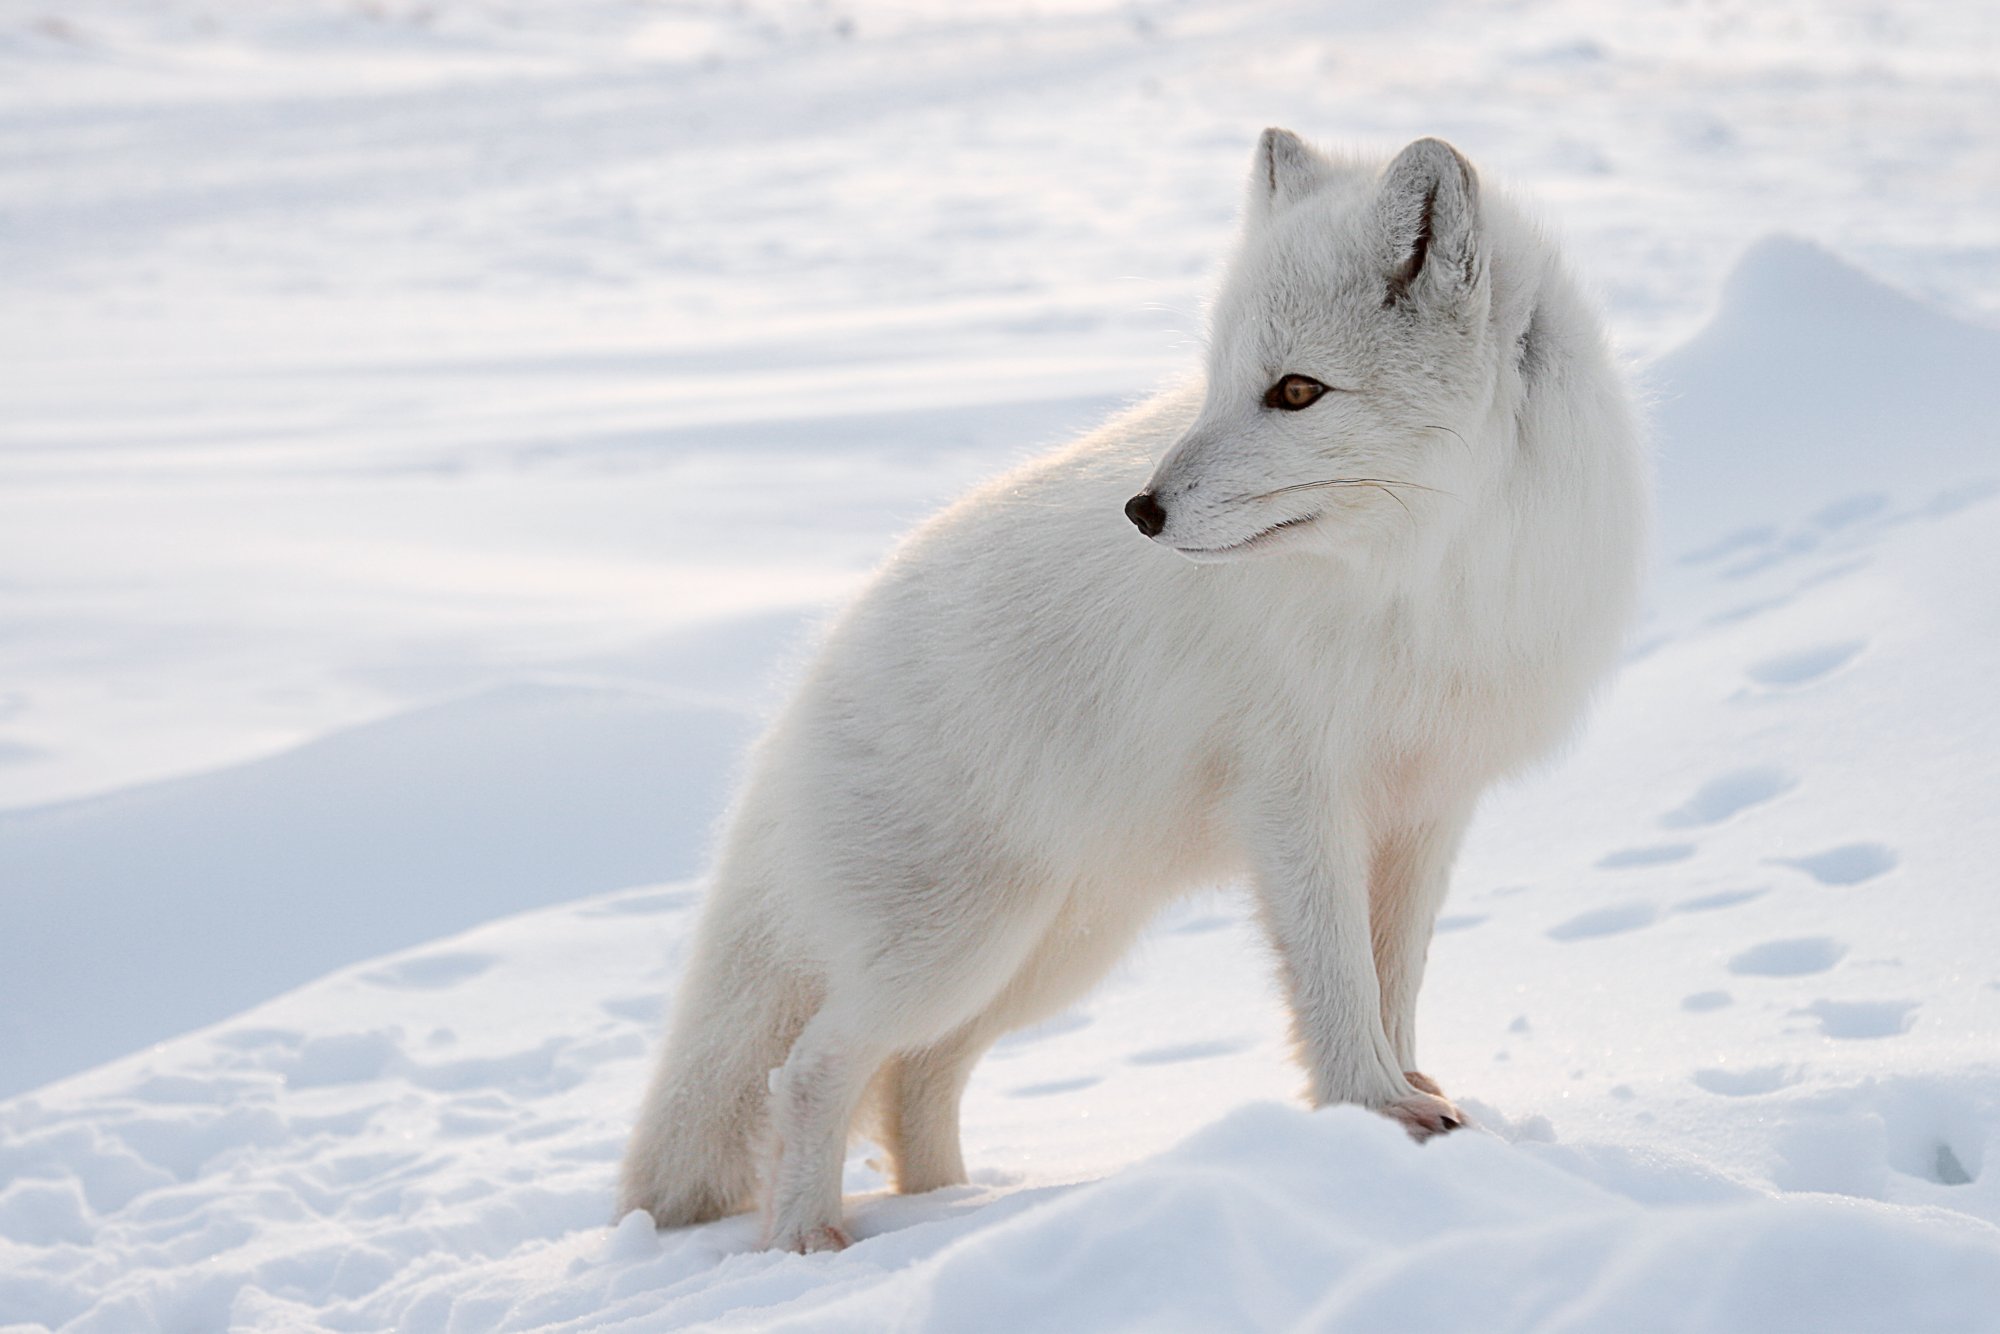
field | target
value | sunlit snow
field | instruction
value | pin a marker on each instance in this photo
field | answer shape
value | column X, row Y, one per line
column 430, row 434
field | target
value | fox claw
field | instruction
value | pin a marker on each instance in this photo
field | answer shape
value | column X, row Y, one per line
column 1425, row 1116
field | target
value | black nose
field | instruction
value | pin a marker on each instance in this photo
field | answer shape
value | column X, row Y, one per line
column 1146, row 514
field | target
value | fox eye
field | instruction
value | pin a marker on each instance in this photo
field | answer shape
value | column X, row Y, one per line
column 1294, row 392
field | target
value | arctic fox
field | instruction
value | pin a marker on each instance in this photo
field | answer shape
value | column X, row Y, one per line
column 1384, row 552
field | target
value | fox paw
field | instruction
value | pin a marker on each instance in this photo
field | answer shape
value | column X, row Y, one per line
column 1423, row 1083
column 1425, row 1115
column 809, row 1240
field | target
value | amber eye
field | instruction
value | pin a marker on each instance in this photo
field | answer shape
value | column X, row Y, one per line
column 1294, row 392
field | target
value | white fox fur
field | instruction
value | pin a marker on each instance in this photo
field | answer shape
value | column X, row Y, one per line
column 1036, row 727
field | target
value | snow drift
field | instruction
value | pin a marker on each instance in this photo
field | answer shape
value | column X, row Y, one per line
column 140, row 915
column 1814, row 382
column 1719, row 991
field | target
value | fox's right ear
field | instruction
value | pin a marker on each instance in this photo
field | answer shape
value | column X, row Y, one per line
column 1285, row 171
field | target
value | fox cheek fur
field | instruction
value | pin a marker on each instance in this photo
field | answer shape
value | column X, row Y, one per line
column 1383, row 554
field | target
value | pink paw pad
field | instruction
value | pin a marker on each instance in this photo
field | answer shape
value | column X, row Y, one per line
column 823, row 1239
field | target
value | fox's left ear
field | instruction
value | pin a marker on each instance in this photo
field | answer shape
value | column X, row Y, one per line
column 1428, row 210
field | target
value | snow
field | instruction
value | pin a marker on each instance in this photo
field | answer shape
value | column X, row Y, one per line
column 164, row 907
column 432, row 432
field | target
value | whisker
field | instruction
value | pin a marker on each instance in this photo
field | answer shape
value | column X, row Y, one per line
column 1453, row 434
column 1399, row 500
column 1379, row 483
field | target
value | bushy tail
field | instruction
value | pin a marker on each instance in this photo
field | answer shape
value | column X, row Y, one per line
column 695, row 1153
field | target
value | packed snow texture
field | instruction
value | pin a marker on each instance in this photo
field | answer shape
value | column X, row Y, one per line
column 432, row 433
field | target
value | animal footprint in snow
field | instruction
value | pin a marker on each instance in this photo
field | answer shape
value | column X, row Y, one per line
column 1745, row 1083
column 1055, row 1086
column 1730, row 794
column 1848, row 864
column 1790, row 547
column 1863, row 1019
column 1847, row 512
column 1069, row 1021
column 1806, row 664
column 1187, row 1051
column 644, row 1009
column 1604, row 922
column 1749, row 610
column 1947, row 1169
column 1789, row 958
column 1954, row 499
column 1727, row 898
column 1658, row 854
column 1744, row 539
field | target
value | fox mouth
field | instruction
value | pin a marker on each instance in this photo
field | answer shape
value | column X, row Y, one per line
column 1258, row 539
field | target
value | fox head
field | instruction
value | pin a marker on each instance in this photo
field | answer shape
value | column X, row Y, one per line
column 1350, row 361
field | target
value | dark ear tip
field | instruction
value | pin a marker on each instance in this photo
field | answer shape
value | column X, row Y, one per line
column 1286, row 168
column 1277, row 145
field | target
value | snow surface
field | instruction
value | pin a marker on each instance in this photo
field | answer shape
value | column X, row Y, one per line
column 431, row 432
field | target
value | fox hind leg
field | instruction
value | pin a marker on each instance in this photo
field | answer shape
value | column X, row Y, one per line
column 921, row 1090
column 694, row 1153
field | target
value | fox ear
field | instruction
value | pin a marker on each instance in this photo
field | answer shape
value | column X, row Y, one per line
column 1285, row 171
column 1429, row 213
